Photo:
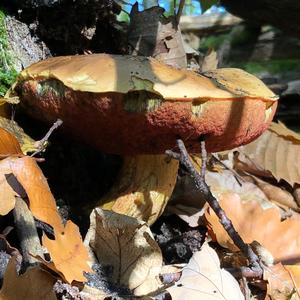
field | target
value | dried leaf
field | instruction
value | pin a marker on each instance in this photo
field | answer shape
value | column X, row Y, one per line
column 164, row 43
column 203, row 279
column 225, row 181
column 127, row 246
column 283, row 282
column 276, row 194
column 275, row 151
column 68, row 253
column 35, row 284
column 25, row 142
column 210, row 61
column 7, row 193
column 41, row 201
column 9, row 145
column 254, row 223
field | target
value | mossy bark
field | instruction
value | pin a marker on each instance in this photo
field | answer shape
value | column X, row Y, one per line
column 7, row 71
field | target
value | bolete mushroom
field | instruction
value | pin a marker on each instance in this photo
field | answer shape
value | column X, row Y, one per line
column 138, row 107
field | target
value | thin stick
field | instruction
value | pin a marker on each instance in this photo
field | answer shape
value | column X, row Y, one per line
column 44, row 140
column 27, row 233
column 255, row 269
column 179, row 12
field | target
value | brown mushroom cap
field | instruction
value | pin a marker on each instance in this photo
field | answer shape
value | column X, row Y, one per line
column 134, row 105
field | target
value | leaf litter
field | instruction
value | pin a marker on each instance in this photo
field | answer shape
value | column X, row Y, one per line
column 124, row 247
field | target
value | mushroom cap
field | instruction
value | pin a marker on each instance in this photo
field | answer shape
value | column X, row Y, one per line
column 137, row 105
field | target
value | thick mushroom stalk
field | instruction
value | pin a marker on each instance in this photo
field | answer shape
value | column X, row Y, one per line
column 137, row 107
column 144, row 186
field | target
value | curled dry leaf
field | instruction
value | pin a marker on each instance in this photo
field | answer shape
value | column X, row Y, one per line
column 283, row 282
column 68, row 253
column 34, row 284
column 276, row 151
column 25, row 142
column 203, row 279
column 125, row 244
column 254, row 223
column 9, row 145
column 41, row 201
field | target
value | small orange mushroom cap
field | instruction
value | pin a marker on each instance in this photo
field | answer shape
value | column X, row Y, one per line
column 137, row 105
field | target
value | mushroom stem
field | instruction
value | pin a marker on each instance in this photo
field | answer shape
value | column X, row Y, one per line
column 143, row 188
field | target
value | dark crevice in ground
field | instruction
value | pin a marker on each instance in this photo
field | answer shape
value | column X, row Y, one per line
column 177, row 240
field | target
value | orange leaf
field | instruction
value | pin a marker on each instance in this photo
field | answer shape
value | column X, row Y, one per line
column 9, row 145
column 41, row 201
column 254, row 223
column 68, row 253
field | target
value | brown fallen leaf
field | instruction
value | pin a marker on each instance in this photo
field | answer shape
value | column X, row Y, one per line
column 283, row 282
column 69, row 255
column 9, row 145
column 203, row 279
column 254, row 223
column 41, row 201
column 277, row 195
column 275, row 151
column 127, row 246
column 34, row 284
column 26, row 143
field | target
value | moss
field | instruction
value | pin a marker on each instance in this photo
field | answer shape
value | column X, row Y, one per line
column 271, row 66
column 7, row 72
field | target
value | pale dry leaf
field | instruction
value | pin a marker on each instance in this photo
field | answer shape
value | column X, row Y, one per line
column 210, row 61
column 34, row 284
column 68, row 253
column 7, row 193
column 41, row 201
column 275, row 151
column 191, row 215
column 91, row 293
column 276, row 194
column 280, row 129
column 203, row 279
column 127, row 246
column 225, row 181
column 283, row 282
column 253, row 223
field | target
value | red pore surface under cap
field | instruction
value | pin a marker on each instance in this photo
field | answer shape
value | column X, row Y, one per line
column 100, row 120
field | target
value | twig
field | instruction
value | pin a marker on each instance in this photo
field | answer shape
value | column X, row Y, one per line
column 179, row 12
column 44, row 140
column 203, row 159
column 27, row 233
column 255, row 269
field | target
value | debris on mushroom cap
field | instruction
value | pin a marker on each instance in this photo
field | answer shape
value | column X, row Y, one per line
column 137, row 105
